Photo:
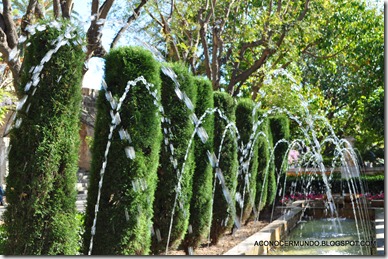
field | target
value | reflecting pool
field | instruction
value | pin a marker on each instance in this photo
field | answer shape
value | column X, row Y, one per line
column 325, row 237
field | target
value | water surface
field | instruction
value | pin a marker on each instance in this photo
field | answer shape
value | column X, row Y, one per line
column 324, row 237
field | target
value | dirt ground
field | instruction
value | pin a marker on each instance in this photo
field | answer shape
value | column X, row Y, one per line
column 229, row 240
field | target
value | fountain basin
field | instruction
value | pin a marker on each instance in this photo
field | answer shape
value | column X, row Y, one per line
column 377, row 203
column 275, row 231
column 279, row 229
column 326, row 236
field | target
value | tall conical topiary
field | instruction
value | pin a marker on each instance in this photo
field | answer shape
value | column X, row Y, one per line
column 172, row 158
column 125, row 211
column 224, row 210
column 201, row 202
column 248, row 161
column 40, row 218
column 264, row 166
column 280, row 130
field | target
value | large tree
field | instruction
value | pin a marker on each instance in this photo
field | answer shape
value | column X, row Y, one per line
column 351, row 79
column 233, row 41
column 17, row 16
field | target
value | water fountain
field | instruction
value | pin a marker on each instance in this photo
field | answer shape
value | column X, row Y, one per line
column 344, row 155
column 312, row 158
column 312, row 166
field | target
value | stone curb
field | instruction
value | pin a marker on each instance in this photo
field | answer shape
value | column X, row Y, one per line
column 275, row 231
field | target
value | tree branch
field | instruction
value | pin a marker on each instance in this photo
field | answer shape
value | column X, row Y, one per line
column 202, row 33
column 193, row 36
column 281, row 38
column 270, row 8
column 39, row 11
column 305, row 9
column 193, row 58
column 104, row 10
column 170, row 40
column 215, row 65
column 324, row 56
column 252, row 44
column 243, row 76
column 66, row 7
column 95, row 5
column 94, row 46
column 226, row 15
column 171, row 10
column 155, row 19
column 279, row 6
column 130, row 19
column 286, row 9
column 9, row 41
column 12, row 37
column 28, row 17
column 257, row 86
column 56, row 7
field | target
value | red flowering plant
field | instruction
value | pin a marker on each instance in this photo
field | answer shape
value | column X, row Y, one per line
column 379, row 196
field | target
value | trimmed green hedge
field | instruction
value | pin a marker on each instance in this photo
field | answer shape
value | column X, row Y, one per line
column 182, row 129
column 201, row 202
column 40, row 217
column 244, row 123
column 125, row 210
column 371, row 183
column 223, row 213
column 280, row 129
column 264, row 166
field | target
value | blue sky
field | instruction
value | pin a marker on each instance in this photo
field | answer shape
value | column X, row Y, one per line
column 95, row 74
column 93, row 77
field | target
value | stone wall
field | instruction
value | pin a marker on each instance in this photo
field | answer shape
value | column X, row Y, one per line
column 86, row 133
column 88, row 117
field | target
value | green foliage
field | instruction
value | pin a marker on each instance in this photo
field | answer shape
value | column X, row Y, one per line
column 264, row 168
column 127, row 194
column 348, row 67
column 280, row 130
column 246, row 185
column 224, row 211
column 40, row 216
column 201, row 202
column 374, row 112
column 282, row 90
column 6, row 101
column 257, row 36
column 3, row 239
column 80, row 226
column 373, row 184
column 182, row 129
column 373, row 123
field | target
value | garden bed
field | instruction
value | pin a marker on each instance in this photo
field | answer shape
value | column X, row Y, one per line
column 229, row 240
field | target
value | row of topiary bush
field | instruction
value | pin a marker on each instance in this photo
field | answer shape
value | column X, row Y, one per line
column 152, row 184
column 179, row 182
column 364, row 184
